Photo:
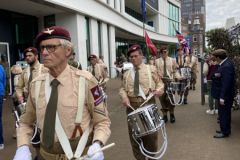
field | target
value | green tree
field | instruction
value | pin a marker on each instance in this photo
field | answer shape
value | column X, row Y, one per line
column 211, row 31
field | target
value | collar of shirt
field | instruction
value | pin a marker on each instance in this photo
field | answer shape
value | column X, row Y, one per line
column 140, row 66
column 223, row 61
column 62, row 77
column 36, row 65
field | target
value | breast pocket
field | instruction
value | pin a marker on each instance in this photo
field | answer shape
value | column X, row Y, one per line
column 70, row 106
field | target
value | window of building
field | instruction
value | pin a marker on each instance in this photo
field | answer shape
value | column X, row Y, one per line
column 150, row 23
column 188, row 42
column 49, row 21
column 114, row 1
column 134, row 14
column 87, row 37
column 173, row 18
column 195, row 52
column 99, row 38
column 194, row 38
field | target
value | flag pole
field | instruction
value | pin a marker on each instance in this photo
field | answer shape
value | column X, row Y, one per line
column 176, row 33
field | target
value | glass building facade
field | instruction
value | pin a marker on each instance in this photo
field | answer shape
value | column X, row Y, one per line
column 173, row 18
column 49, row 21
column 99, row 38
column 134, row 14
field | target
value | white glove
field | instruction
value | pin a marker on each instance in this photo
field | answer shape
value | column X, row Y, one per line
column 23, row 153
column 92, row 149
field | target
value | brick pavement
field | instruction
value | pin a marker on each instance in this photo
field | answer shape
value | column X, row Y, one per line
column 189, row 138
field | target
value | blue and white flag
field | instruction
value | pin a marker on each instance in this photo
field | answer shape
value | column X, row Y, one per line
column 143, row 5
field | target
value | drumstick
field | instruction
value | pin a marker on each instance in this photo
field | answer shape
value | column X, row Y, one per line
column 149, row 97
column 132, row 108
column 99, row 150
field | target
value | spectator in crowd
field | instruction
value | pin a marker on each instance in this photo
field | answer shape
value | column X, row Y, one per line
column 16, row 71
column 209, row 67
column 2, row 86
column 223, row 90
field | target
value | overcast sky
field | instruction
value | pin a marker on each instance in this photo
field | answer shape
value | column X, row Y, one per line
column 218, row 11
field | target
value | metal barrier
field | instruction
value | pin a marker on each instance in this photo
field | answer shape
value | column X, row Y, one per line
column 203, row 85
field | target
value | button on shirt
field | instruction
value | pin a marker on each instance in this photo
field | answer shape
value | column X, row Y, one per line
column 67, row 108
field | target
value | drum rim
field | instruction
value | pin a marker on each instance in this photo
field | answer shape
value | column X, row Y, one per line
column 141, row 111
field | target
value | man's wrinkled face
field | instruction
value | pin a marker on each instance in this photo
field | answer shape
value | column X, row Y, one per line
column 31, row 58
column 164, row 53
column 56, row 55
column 135, row 58
column 93, row 61
column 180, row 52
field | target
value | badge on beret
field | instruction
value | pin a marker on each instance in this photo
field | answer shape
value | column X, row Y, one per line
column 98, row 102
column 96, row 93
column 29, row 49
column 48, row 31
column 134, row 48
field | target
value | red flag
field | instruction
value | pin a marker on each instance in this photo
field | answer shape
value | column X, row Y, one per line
column 150, row 44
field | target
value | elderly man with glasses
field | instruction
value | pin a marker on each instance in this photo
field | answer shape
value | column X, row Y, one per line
column 66, row 103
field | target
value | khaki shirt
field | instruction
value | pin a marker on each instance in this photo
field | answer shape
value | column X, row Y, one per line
column 102, row 62
column 193, row 63
column 179, row 60
column 23, row 80
column 151, row 62
column 94, row 112
column 103, row 70
column 160, row 67
column 143, row 81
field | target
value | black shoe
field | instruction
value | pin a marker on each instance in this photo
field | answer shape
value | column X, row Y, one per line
column 221, row 135
column 165, row 118
column 218, row 131
column 218, row 121
column 172, row 118
column 194, row 88
column 190, row 88
column 185, row 101
column 180, row 101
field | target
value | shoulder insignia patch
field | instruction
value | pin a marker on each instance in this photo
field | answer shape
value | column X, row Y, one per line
column 96, row 93
column 98, row 102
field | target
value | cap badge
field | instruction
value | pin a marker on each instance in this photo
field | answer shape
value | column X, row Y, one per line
column 134, row 47
column 29, row 49
column 48, row 31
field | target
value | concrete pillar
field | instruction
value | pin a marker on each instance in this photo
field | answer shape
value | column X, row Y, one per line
column 122, row 6
column 112, row 57
column 75, row 24
column 117, row 4
column 93, row 32
column 111, row 3
column 104, row 41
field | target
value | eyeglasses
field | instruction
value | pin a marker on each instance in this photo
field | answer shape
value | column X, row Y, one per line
column 131, row 57
column 50, row 48
column 164, row 52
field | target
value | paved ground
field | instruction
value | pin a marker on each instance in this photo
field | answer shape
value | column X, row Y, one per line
column 189, row 138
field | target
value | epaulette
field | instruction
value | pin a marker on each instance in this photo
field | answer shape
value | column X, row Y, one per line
column 40, row 78
column 85, row 74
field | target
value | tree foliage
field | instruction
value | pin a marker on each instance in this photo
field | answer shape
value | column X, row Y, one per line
column 229, row 40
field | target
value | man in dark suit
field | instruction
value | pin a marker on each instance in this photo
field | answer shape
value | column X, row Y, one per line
column 223, row 91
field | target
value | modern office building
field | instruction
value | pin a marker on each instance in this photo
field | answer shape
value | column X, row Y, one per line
column 100, row 27
column 233, row 21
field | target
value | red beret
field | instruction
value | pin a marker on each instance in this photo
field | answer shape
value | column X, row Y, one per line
column 30, row 49
column 52, row 32
column 133, row 49
column 190, row 52
column 163, row 48
column 92, row 56
column 179, row 49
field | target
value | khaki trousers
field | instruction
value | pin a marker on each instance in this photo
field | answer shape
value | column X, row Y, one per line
column 55, row 152
column 186, row 91
column 165, row 102
column 150, row 141
column 193, row 80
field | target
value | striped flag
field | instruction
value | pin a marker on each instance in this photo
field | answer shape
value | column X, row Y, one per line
column 183, row 43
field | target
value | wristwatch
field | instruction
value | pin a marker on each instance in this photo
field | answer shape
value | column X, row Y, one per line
column 101, row 144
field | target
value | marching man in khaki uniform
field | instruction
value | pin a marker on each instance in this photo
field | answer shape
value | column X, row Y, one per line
column 66, row 103
column 166, row 67
column 181, row 62
column 101, row 61
column 98, row 71
column 35, row 69
column 130, row 94
column 192, row 62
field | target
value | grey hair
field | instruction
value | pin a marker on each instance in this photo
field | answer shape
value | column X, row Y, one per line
column 65, row 44
column 100, row 56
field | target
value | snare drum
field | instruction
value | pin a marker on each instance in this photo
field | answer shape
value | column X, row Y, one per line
column 185, row 72
column 145, row 120
column 175, row 86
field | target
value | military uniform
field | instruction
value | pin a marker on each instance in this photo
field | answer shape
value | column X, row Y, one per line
column 171, row 68
column 193, row 64
column 7, row 70
column 23, row 80
column 122, row 61
column 100, row 72
column 94, row 112
column 127, row 90
column 75, row 64
column 102, row 62
column 181, row 62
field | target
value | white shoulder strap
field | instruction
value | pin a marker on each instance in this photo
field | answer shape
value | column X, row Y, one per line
column 158, row 62
column 40, row 70
column 37, row 91
column 28, row 71
column 149, row 76
column 126, row 86
column 78, row 64
column 81, row 99
column 99, row 70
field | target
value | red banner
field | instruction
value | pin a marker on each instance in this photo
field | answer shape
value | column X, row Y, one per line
column 150, row 44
